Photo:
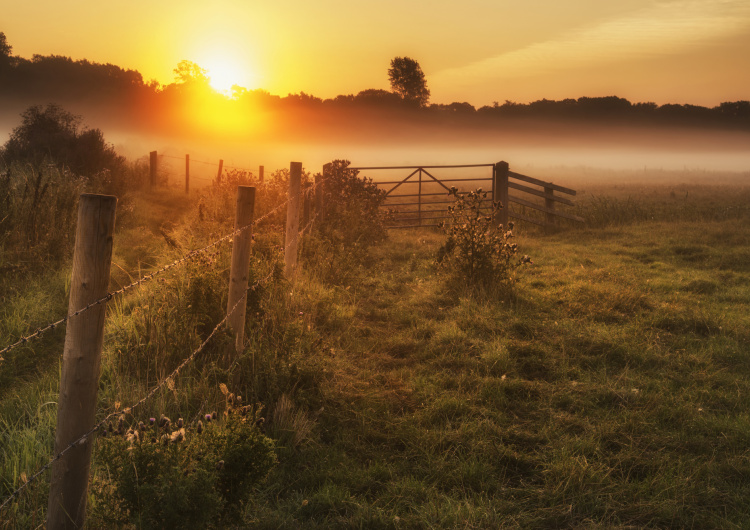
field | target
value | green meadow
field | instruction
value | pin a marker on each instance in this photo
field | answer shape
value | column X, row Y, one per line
column 609, row 389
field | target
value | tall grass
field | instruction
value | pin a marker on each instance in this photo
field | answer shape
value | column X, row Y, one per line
column 610, row 392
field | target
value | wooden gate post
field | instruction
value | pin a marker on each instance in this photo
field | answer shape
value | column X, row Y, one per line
column 238, row 277
column 419, row 199
column 292, row 220
column 187, row 174
column 549, row 203
column 261, row 171
column 79, row 382
column 501, row 192
column 152, row 168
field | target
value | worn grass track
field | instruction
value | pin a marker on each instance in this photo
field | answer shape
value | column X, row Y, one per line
column 611, row 393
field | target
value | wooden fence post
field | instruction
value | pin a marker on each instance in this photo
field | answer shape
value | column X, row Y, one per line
column 152, row 168
column 549, row 203
column 292, row 220
column 218, row 175
column 261, row 170
column 187, row 174
column 238, row 276
column 306, row 205
column 320, row 188
column 76, row 409
column 501, row 192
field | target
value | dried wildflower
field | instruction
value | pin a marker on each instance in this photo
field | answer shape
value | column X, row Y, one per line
column 110, row 428
column 213, row 415
column 199, row 429
column 177, row 436
column 152, row 421
column 219, row 465
column 179, row 423
column 163, row 420
column 208, row 418
column 132, row 436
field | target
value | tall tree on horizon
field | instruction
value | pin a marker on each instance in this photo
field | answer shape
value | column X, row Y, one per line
column 5, row 51
column 408, row 81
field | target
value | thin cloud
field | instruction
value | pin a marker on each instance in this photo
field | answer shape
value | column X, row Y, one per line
column 663, row 29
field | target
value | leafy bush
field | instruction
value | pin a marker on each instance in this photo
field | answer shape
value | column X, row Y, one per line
column 168, row 475
column 352, row 216
column 53, row 136
column 478, row 252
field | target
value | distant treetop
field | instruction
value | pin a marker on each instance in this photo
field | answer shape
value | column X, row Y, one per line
column 407, row 80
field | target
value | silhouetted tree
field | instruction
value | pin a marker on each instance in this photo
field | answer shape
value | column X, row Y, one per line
column 407, row 80
column 5, row 52
column 5, row 48
column 188, row 72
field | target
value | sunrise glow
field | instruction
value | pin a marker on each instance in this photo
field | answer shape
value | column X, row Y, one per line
column 480, row 52
column 224, row 73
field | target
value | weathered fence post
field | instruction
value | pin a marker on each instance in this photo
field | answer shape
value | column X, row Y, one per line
column 79, row 382
column 292, row 220
column 152, row 168
column 218, row 174
column 187, row 174
column 307, row 205
column 320, row 188
column 501, row 192
column 549, row 203
column 261, row 171
column 238, row 276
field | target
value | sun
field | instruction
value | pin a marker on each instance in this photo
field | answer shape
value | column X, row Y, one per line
column 224, row 73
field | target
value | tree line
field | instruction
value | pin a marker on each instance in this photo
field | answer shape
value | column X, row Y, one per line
column 61, row 79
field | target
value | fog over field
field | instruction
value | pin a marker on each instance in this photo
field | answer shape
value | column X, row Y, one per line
column 587, row 154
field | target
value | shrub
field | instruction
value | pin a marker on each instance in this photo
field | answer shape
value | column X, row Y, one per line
column 52, row 135
column 167, row 475
column 478, row 252
column 352, row 216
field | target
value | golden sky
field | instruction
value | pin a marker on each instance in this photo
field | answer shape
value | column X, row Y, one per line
column 480, row 51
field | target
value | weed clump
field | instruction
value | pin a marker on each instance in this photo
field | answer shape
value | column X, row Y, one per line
column 478, row 252
column 165, row 474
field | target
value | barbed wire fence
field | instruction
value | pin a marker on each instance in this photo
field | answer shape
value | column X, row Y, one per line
column 175, row 175
column 145, row 279
column 169, row 379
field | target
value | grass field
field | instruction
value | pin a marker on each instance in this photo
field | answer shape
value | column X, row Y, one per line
column 611, row 391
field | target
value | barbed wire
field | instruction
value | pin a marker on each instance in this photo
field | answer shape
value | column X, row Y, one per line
column 225, row 166
column 128, row 410
column 190, row 255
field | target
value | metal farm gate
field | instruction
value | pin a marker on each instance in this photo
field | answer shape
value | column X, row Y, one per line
column 421, row 198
